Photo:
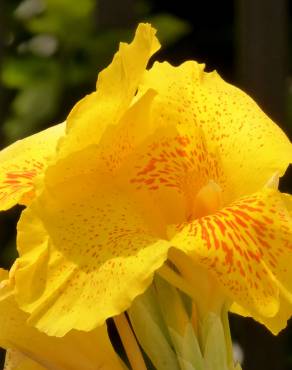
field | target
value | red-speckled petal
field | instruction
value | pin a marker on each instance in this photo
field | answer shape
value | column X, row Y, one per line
column 164, row 163
column 22, row 161
column 247, row 246
column 170, row 167
column 251, row 146
column 86, row 252
column 284, row 278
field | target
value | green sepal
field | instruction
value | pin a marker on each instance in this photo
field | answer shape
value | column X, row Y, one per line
column 151, row 332
column 188, row 349
column 215, row 353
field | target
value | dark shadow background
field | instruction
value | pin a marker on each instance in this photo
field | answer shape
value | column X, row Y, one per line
column 51, row 51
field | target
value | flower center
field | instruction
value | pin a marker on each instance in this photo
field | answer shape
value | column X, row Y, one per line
column 207, row 201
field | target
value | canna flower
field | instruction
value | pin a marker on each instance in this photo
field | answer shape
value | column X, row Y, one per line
column 27, row 348
column 170, row 163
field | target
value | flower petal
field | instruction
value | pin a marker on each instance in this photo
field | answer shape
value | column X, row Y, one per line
column 284, row 280
column 22, row 161
column 170, row 167
column 91, row 350
column 248, row 141
column 276, row 323
column 85, row 253
column 15, row 360
column 116, row 87
column 247, row 246
column 164, row 162
column 116, row 144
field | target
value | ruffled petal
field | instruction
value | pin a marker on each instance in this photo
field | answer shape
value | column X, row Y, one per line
column 86, row 251
column 116, row 87
column 116, row 144
column 35, row 350
column 247, row 246
column 22, row 161
column 248, row 141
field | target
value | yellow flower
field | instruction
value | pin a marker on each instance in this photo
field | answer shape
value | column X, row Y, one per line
column 30, row 349
column 166, row 162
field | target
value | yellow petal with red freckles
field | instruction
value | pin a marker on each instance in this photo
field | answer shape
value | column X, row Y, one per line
column 251, row 146
column 15, row 360
column 247, row 246
column 117, row 143
column 170, row 167
column 86, row 252
column 162, row 163
column 174, row 158
column 279, row 321
column 116, row 87
column 22, row 161
column 75, row 351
